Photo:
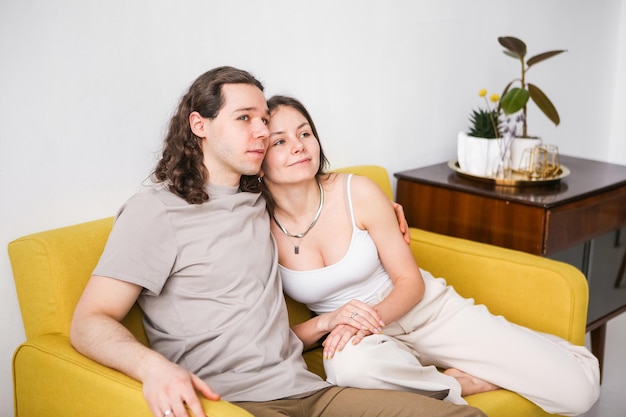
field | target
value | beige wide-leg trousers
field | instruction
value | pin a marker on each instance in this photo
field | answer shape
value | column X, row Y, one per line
column 446, row 330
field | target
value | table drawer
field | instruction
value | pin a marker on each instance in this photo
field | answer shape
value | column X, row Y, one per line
column 581, row 220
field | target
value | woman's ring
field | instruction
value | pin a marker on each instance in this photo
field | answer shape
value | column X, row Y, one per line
column 354, row 314
column 167, row 413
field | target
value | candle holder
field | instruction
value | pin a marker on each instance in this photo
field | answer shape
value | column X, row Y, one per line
column 540, row 163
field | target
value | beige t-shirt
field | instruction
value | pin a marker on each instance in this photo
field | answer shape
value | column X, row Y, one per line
column 212, row 295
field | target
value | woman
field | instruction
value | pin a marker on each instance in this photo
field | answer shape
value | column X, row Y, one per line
column 387, row 323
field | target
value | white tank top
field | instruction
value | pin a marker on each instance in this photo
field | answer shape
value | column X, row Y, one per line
column 358, row 275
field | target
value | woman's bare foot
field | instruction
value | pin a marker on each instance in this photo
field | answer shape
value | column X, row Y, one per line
column 470, row 384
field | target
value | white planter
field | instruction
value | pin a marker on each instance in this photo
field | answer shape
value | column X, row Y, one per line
column 517, row 151
column 478, row 156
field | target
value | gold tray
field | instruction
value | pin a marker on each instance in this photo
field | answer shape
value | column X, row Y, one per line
column 517, row 179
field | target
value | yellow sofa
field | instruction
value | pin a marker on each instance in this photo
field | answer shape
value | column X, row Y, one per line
column 51, row 268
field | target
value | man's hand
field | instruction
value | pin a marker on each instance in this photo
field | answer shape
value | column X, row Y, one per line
column 169, row 387
column 404, row 225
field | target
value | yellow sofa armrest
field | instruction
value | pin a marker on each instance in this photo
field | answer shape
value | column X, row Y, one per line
column 536, row 292
column 52, row 379
column 51, row 269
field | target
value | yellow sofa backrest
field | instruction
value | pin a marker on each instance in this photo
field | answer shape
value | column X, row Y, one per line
column 376, row 173
column 51, row 270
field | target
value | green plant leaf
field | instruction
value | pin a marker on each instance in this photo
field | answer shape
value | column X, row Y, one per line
column 514, row 45
column 542, row 57
column 514, row 100
column 544, row 104
column 511, row 54
column 484, row 124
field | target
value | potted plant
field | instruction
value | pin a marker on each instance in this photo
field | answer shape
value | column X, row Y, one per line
column 510, row 113
column 519, row 92
column 485, row 123
column 516, row 98
column 479, row 149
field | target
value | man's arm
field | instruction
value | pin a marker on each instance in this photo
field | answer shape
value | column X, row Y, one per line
column 97, row 333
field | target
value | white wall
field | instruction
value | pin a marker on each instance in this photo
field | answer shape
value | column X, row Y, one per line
column 86, row 89
column 617, row 141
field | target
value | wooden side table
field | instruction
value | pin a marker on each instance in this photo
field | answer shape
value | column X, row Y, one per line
column 580, row 220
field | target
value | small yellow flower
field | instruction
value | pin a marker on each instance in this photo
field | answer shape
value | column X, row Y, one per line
column 482, row 92
column 494, row 98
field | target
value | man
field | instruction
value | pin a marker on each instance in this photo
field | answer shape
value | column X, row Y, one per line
column 197, row 255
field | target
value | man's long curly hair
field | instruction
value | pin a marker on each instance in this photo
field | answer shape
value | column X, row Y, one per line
column 181, row 166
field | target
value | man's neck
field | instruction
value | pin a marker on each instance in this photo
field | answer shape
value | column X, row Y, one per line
column 224, row 179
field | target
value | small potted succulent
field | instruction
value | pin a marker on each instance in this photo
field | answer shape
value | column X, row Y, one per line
column 479, row 149
column 509, row 120
column 485, row 123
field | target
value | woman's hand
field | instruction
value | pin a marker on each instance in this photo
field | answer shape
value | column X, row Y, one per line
column 340, row 336
column 355, row 313
column 355, row 320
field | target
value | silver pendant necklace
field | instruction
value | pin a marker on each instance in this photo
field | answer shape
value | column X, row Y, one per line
column 296, row 248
